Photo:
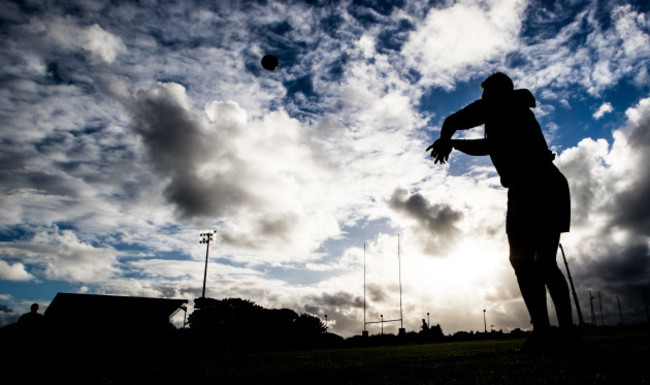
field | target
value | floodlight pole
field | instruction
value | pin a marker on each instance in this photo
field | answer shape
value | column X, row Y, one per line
column 206, row 238
column 484, row 322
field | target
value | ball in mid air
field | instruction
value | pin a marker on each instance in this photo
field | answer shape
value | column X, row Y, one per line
column 270, row 62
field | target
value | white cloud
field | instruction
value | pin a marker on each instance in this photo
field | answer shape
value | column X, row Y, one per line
column 605, row 108
column 458, row 39
column 14, row 272
column 632, row 28
column 59, row 255
column 637, row 115
column 65, row 33
column 602, row 59
column 260, row 176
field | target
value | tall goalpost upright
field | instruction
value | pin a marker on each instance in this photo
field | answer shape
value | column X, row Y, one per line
column 402, row 330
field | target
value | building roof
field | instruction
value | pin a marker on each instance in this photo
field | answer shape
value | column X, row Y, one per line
column 74, row 311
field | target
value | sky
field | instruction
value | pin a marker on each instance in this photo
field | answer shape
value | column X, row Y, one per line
column 129, row 128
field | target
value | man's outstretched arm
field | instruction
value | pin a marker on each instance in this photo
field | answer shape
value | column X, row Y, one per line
column 470, row 116
column 474, row 147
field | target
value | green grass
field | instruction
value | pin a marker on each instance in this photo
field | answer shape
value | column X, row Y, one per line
column 607, row 359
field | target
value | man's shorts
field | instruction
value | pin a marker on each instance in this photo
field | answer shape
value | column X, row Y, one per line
column 539, row 203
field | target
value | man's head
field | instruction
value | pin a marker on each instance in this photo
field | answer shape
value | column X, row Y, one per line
column 34, row 308
column 497, row 84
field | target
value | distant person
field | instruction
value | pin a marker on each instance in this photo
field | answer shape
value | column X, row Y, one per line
column 539, row 206
column 425, row 326
column 31, row 324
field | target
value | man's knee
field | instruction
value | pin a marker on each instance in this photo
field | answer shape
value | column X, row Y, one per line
column 522, row 255
column 520, row 263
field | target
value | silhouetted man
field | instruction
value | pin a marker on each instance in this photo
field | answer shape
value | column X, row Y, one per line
column 31, row 324
column 539, row 206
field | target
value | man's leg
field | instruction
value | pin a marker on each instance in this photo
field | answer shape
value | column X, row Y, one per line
column 531, row 285
column 553, row 278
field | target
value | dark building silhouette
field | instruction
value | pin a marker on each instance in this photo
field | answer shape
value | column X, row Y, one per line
column 93, row 319
column 81, row 336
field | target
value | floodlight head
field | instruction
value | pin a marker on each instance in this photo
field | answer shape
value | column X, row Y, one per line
column 207, row 237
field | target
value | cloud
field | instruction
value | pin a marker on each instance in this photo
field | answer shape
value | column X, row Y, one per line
column 597, row 48
column 100, row 44
column 435, row 225
column 342, row 309
column 179, row 146
column 631, row 209
column 53, row 33
column 14, row 272
column 453, row 41
column 59, row 255
column 219, row 164
column 605, row 108
column 340, row 301
column 628, row 266
column 610, row 185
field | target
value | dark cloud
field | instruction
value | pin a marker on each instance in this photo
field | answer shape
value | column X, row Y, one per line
column 436, row 224
column 265, row 230
column 8, row 318
column 375, row 293
column 620, row 274
column 628, row 266
column 196, row 197
column 338, row 308
column 341, row 299
column 178, row 144
column 631, row 209
column 604, row 304
column 617, row 268
column 277, row 227
column 5, row 309
column 167, row 291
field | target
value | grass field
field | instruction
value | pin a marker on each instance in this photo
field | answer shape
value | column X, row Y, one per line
column 614, row 357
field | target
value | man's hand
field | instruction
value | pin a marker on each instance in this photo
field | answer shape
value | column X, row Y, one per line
column 440, row 150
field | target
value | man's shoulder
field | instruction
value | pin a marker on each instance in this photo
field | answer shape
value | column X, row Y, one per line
column 30, row 317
